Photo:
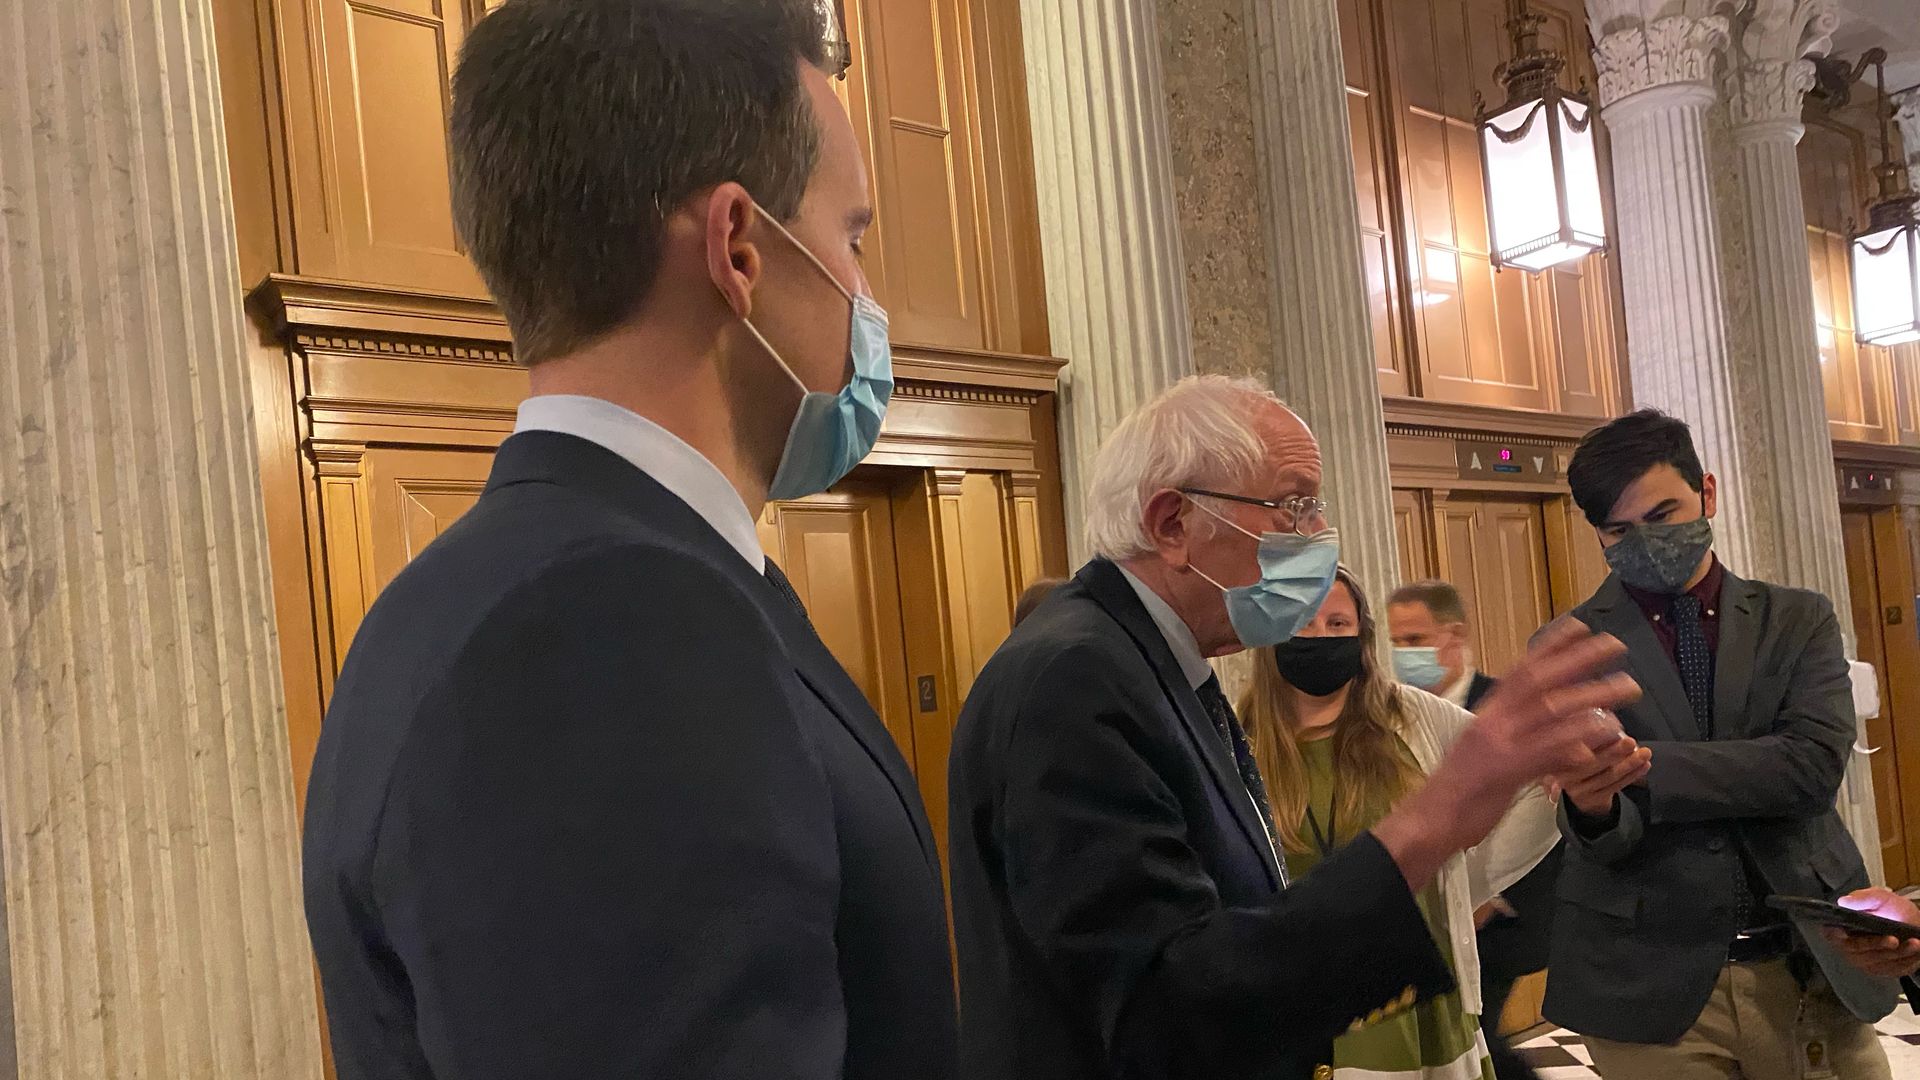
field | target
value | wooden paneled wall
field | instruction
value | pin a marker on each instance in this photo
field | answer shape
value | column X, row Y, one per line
column 385, row 377
column 1448, row 326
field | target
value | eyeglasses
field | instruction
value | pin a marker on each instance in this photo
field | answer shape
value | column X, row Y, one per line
column 1303, row 515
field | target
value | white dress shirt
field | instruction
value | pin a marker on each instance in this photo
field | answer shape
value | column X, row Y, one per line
column 657, row 452
column 1186, row 648
column 1462, row 686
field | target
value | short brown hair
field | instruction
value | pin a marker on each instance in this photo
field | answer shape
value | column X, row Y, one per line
column 1439, row 597
column 579, row 124
column 1031, row 597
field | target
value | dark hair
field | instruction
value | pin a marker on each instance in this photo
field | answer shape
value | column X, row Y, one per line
column 1611, row 458
column 1438, row 597
column 1033, row 594
column 579, row 124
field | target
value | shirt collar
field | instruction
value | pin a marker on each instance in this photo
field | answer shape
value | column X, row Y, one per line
column 657, row 452
column 1462, row 686
column 1186, row 648
column 1707, row 591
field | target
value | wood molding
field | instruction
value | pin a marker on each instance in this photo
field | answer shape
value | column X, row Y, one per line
column 1853, row 452
column 348, row 310
column 1419, row 416
column 975, row 367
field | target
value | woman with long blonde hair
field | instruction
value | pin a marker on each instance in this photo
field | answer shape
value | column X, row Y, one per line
column 1338, row 742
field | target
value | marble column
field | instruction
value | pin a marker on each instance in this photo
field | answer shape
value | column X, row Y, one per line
column 1322, row 332
column 1792, row 507
column 146, row 799
column 1656, row 66
column 1790, row 452
column 1116, row 294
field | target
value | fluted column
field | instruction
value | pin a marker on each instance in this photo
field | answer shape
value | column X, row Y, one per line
column 1323, row 358
column 145, row 790
column 1789, row 464
column 1116, row 293
column 1655, row 63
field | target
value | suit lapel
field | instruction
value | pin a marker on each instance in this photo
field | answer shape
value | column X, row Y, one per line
column 1665, row 704
column 829, row 681
column 1111, row 590
column 1733, row 658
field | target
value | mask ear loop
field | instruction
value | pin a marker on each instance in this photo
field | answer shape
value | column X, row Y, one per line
column 1223, row 520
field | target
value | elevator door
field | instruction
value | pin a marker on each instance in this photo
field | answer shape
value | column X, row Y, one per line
column 1880, row 583
column 1493, row 548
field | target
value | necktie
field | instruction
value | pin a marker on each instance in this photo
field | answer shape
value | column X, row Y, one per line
column 785, row 588
column 1695, row 659
column 1228, row 725
column 1696, row 675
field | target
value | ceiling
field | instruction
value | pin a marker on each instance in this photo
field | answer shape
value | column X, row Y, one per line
column 1894, row 25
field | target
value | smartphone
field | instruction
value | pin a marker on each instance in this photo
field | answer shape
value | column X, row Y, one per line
column 1827, row 913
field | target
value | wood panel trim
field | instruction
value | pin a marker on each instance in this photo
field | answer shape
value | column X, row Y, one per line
column 1418, row 416
column 1853, row 452
column 976, row 367
column 325, row 307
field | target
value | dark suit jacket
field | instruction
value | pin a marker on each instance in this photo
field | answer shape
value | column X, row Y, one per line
column 593, row 801
column 1647, row 907
column 1516, row 945
column 1114, row 892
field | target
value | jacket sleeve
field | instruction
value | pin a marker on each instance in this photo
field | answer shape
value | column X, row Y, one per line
column 1104, row 883
column 1793, row 771
column 1608, row 842
column 609, row 849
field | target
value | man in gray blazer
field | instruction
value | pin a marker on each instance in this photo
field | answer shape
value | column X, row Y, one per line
column 1665, row 955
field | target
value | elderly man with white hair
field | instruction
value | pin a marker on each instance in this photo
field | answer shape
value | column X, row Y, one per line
column 1118, row 906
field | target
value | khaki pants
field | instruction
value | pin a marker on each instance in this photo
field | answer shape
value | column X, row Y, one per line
column 1758, row 1025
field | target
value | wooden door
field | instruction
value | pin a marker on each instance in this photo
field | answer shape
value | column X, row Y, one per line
column 1493, row 548
column 367, row 104
column 1413, row 531
column 378, row 508
column 1880, row 583
column 838, row 550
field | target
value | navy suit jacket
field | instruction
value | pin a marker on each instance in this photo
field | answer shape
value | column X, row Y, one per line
column 1116, row 902
column 593, row 801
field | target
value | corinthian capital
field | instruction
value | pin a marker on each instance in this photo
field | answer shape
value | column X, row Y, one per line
column 1647, row 43
column 1772, row 42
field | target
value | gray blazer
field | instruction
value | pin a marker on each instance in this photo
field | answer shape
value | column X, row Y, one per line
column 1646, row 909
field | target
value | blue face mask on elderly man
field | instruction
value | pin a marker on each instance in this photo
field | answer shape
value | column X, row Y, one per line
column 1296, row 573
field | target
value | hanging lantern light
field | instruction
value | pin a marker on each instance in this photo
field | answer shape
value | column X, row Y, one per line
column 1885, row 256
column 1537, row 156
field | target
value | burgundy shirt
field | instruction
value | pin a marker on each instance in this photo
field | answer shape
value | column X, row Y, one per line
column 1654, row 606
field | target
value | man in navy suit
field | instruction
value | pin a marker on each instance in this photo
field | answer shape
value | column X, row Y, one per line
column 591, row 799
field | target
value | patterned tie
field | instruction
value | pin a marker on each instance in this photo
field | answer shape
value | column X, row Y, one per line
column 1696, row 660
column 1228, row 725
column 785, row 588
column 1696, row 674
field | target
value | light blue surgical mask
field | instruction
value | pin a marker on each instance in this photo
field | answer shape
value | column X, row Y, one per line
column 832, row 432
column 1296, row 573
column 1418, row 665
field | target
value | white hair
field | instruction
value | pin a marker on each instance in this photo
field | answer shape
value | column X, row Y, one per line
column 1199, row 432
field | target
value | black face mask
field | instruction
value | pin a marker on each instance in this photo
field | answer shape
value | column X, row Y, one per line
column 1318, row 665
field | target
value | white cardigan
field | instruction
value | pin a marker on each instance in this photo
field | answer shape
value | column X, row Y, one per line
column 1524, row 837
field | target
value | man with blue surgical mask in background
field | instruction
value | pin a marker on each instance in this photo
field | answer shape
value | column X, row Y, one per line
column 591, row 799
column 1428, row 623
column 1119, row 909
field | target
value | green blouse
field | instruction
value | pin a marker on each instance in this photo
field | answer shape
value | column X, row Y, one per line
column 1434, row 1040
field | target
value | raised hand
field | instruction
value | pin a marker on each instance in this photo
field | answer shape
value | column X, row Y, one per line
column 1539, row 723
